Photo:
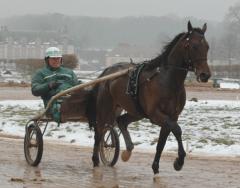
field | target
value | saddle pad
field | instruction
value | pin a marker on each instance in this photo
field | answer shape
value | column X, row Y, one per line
column 132, row 87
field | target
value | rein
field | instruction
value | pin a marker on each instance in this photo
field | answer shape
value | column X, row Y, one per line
column 189, row 61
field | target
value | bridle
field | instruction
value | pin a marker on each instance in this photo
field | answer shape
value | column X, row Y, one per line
column 189, row 61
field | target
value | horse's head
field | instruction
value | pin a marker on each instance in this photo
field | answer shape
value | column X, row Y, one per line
column 195, row 52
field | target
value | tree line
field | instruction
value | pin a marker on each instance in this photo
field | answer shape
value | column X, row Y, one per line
column 92, row 32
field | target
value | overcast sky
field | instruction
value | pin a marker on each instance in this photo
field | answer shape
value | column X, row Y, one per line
column 202, row 9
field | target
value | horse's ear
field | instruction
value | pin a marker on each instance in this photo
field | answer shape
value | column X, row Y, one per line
column 190, row 28
column 204, row 28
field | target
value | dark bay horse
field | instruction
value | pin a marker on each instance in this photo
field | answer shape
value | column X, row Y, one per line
column 161, row 96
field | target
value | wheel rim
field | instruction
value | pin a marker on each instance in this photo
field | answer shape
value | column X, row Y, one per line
column 32, row 145
column 107, row 147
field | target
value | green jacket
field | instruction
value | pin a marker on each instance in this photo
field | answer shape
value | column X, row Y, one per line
column 44, row 76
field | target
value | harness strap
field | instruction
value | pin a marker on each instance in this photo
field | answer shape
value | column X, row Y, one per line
column 133, row 87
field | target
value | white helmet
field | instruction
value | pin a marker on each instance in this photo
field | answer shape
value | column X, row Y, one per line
column 53, row 52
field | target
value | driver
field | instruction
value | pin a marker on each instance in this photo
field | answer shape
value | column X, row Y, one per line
column 52, row 79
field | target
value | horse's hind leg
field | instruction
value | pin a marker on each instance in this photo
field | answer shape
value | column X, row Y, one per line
column 103, row 116
column 123, row 122
column 97, row 139
column 176, row 130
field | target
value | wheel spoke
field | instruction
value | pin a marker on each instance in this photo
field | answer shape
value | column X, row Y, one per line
column 33, row 145
column 109, row 150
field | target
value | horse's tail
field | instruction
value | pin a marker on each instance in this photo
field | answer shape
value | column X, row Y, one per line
column 91, row 111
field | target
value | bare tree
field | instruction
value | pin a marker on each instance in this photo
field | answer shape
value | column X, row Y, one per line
column 232, row 32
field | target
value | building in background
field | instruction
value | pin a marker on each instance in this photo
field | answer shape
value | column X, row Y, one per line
column 30, row 44
column 31, row 50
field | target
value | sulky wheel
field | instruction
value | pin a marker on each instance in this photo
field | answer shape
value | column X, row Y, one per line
column 33, row 144
column 109, row 146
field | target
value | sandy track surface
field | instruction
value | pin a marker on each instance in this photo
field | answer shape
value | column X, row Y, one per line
column 65, row 165
column 24, row 93
column 16, row 93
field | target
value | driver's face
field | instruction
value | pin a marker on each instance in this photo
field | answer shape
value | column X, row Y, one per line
column 54, row 62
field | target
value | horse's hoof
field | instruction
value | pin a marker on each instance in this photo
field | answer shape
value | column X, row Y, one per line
column 155, row 168
column 126, row 155
column 156, row 177
column 95, row 164
column 96, row 168
column 95, row 161
column 177, row 166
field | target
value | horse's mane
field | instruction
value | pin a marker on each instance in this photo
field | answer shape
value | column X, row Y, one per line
column 162, row 58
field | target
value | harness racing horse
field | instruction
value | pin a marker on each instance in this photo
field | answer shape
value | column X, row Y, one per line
column 161, row 93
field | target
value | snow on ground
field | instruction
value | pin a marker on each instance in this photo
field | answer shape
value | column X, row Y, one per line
column 210, row 127
column 226, row 85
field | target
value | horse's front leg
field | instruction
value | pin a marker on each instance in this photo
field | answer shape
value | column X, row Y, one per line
column 177, row 131
column 97, row 139
column 168, row 126
column 159, row 118
column 160, row 145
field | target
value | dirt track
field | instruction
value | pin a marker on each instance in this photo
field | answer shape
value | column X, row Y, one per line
column 65, row 165
column 70, row 166
column 23, row 93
